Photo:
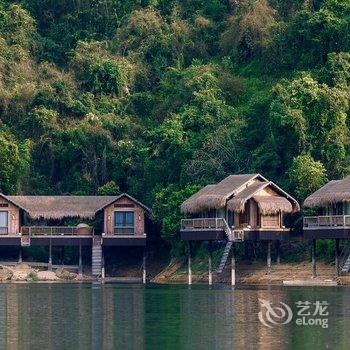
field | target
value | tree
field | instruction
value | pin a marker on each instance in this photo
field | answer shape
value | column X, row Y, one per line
column 14, row 162
column 166, row 211
column 306, row 176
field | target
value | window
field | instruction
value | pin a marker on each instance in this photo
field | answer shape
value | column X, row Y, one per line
column 124, row 222
column 4, row 222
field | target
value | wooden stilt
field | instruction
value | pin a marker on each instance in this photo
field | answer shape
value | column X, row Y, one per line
column 80, row 261
column 210, row 273
column 189, row 263
column 278, row 252
column 20, row 255
column 313, row 258
column 50, row 256
column 268, row 257
column 233, row 266
column 246, row 250
column 337, row 256
column 144, row 266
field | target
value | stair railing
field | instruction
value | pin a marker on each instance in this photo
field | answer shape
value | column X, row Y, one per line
column 344, row 254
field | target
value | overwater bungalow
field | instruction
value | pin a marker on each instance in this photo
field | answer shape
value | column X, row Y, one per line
column 331, row 204
column 95, row 221
column 240, row 208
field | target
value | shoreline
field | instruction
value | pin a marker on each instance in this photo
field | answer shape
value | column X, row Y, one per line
column 247, row 273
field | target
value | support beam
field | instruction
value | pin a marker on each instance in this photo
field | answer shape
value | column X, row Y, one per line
column 246, row 250
column 337, row 256
column 278, row 252
column 313, row 258
column 269, row 257
column 50, row 256
column 210, row 273
column 144, row 267
column 233, row 265
column 189, row 263
column 80, row 261
column 20, row 255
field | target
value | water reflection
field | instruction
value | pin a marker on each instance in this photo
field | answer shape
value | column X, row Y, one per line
column 73, row 316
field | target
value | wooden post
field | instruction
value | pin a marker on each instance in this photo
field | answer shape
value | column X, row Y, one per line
column 103, row 264
column 144, row 266
column 50, row 256
column 337, row 256
column 233, row 265
column 269, row 257
column 278, row 252
column 210, row 274
column 20, row 255
column 80, row 261
column 189, row 263
column 313, row 258
column 246, row 250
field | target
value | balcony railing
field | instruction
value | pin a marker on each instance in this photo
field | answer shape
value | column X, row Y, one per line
column 203, row 224
column 331, row 221
column 56, row 231
column 124, row 230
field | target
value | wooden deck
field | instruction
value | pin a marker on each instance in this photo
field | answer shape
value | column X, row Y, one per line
column 68, row 236
column 216, row 229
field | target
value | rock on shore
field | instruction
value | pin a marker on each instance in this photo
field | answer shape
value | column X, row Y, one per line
column 23, row 272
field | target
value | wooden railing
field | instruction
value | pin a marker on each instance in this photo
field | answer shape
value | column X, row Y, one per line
column 203, row 224
column 212, row 224
column 124, row 230
column 326, row 221
column 56, row 230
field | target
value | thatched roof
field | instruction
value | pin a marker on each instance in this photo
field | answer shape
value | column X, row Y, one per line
column 273, row 204
column 58, row 207
column 238, row 201
column 234, row 191
column 335, row 191
column 215, row 196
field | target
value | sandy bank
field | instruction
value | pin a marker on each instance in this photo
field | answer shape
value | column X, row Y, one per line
column 255, row 273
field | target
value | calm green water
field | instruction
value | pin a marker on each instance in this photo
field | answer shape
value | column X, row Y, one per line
column 114, row 316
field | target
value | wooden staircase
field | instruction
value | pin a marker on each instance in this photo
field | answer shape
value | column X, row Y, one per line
column 346, row 267
column 232, row 236
column 344, row 259
column 97, row 257
column 225, row 256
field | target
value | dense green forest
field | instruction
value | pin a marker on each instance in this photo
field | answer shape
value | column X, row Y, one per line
column 158, row 97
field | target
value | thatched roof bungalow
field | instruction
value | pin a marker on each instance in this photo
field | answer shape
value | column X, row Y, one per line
column 246, row 202
column 235, row 191
column 17, row 211
column 332, row 207
column 60, row 207
column 335, row 191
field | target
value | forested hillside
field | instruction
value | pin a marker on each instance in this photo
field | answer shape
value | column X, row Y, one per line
column 158, row 97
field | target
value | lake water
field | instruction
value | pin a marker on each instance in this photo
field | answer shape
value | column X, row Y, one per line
column 114, row 316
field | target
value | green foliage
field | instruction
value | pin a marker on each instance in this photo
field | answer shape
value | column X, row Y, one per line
column 306, row 175
column 32, row 277
column 101, row 72
column 166, row 211
column 250, row 31
column 311, row 35
column 108, row 189
column 156, row 98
